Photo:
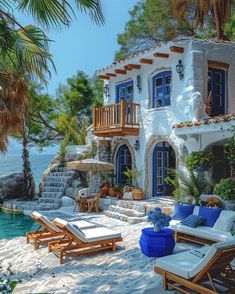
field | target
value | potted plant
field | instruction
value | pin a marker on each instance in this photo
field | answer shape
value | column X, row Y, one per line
column 199, row 161
column 112, row 192
column 226, row 191
column 157, row 241
column 137, row 193
column 118, row 191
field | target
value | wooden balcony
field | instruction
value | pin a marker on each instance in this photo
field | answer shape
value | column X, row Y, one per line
column 120, row 119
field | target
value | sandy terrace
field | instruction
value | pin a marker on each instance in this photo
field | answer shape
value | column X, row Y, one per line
column 125, row 271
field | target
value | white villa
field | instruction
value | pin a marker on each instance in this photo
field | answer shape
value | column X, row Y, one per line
column 163, row 103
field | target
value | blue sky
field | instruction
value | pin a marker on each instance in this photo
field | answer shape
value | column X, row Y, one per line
column 85, row 46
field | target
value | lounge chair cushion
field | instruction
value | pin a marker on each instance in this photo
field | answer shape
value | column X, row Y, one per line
column 45, row 220
column 193, row 221
column 187, row 264
column 203, row 232
column 82, row 224
column 211, row 215
column 225, row 221
column 181, row 264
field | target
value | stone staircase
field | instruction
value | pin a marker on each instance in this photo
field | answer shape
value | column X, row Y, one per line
column 54, row 186
column 135, row 212
column 128, row 211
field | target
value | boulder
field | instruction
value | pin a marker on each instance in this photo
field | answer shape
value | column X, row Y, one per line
column 12, row 187
column 67, row 201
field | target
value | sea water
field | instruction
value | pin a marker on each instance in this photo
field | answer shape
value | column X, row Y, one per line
column 12, row 163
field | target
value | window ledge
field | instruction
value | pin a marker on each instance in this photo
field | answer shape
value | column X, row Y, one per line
column 158, row 109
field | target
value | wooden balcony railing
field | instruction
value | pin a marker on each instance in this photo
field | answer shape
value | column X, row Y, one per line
column 120, row 119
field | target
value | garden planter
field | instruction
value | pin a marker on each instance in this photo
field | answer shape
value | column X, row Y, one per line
column 137, row 194
column 112, row 192
column 105, row 190
column 157, row 244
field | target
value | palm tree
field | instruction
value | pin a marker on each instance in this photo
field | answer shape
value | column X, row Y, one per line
column 25, row 57
column 220, row 10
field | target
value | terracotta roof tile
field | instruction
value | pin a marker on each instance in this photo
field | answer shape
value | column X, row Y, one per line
column 206, row 121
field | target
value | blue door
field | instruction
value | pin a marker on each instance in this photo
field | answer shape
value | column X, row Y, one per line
column 125, row 91
column 216, row 91
column 123, row 161
column 162, row 161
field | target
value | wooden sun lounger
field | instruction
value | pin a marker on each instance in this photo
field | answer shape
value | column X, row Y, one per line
column 47, row 231
column 80, row 242
column 216, row 272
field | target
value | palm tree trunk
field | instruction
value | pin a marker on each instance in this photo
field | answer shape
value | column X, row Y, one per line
column 218, row 22
column 28, row 177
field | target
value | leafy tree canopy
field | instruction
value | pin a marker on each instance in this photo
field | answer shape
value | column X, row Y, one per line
column 65, row 117
column 152, row 21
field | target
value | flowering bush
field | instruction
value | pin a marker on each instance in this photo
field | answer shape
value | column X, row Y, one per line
column 199, row 159
column 158, row 219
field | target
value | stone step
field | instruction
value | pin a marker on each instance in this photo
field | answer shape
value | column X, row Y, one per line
column 56, row 179
column 130, row 220
column 52, row 194
column 53, row 189
column 138, row 206
column 66, row 173
column 60, row 169
column 126, row 211
column 47, row 206
column 54, row 184
column 50, row 200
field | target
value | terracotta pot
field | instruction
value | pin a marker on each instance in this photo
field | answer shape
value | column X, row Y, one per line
column 119, row 195
column 112, row 192
column 137, row 194
column 105, row 189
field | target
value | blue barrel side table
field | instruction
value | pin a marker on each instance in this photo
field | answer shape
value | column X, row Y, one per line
column 157, row 244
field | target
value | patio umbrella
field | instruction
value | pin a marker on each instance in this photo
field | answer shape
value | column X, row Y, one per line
column 91, row 165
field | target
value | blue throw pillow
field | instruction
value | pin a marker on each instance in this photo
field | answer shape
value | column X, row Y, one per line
column 211, row 215
column 182, row 211
column 193, row 221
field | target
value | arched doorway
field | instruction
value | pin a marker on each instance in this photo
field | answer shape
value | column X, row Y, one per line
column 163, row 160
column 123, row 161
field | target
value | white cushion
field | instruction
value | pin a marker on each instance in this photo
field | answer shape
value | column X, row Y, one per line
column 90, row 235
column 45, row 220
column 83, row 224
column 225, row 221
column 204, row 232
column 181, row 264
column 187, row 264
column 196, row 210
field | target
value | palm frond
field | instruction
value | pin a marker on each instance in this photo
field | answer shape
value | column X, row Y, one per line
column 179, row 8
column 59, row 13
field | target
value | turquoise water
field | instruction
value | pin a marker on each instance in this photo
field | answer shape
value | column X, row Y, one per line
column 15, row 225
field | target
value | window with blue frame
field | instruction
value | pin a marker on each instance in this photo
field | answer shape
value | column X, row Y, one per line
column 125, row 91
column 123, row 162
column 162, row 89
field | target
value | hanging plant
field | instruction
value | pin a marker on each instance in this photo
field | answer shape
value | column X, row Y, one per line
column 196, row 160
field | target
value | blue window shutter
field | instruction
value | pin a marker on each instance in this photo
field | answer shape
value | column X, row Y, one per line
column 126, row 91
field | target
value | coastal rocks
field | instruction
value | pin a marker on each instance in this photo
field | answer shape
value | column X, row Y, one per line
column 12, row 187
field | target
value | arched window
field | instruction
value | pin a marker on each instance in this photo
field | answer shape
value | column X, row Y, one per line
column 162, row 89
column 123, row 161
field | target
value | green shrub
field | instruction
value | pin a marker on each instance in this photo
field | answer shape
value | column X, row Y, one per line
column 199, row 159
column 226, row 189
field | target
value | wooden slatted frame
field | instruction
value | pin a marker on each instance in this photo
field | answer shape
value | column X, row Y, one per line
column 74, row 246
column 214, row 269
column 42, row 236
